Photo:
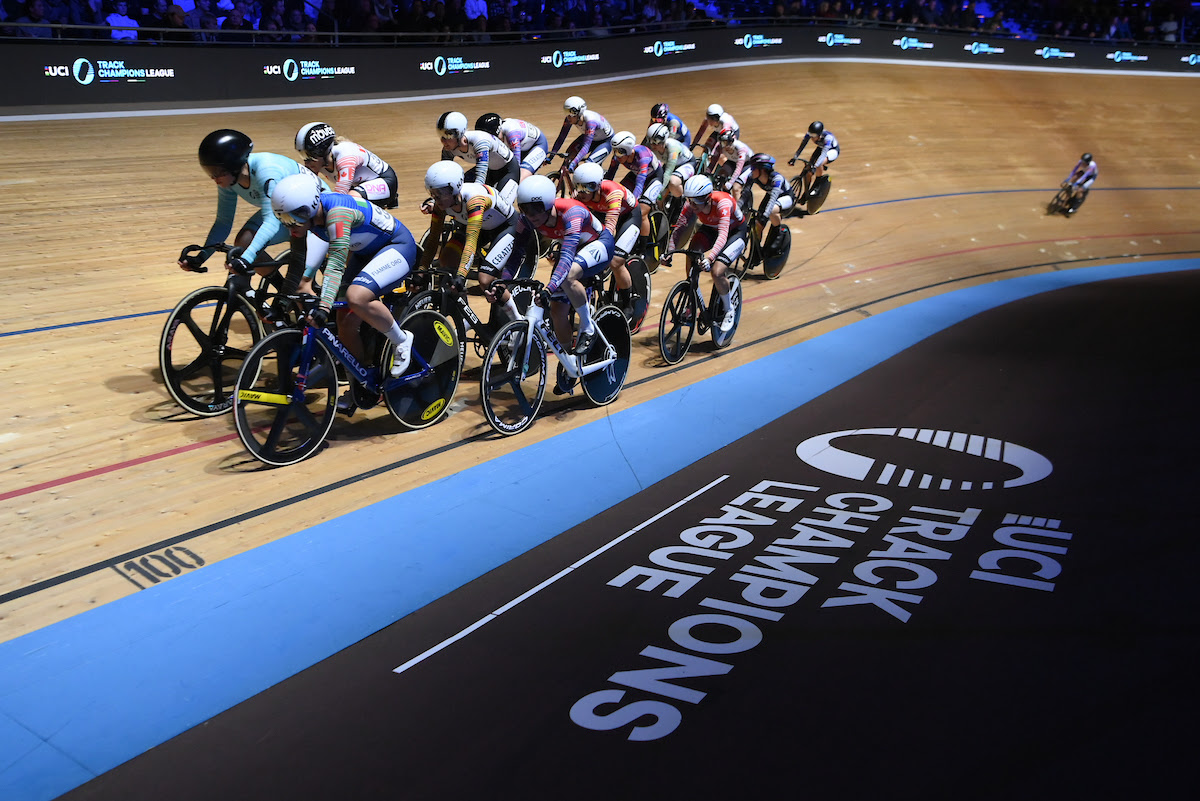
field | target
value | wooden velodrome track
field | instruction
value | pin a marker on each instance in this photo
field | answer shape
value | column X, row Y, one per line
column 942, row 183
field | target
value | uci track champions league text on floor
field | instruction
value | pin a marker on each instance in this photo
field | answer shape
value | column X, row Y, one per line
column 780, row 548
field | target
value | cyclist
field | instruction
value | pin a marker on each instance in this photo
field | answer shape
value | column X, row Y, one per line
column 225, row 155
column 732, row 156
column 484, row 217
column 367, row 252
column 678, row 163
column 661, row 112
column 1080, row 181
column 644, row 177
column 826, row 153
column 621, row 215
column 760, row 171
column 353, row 167
column 523, row 138
column 585, row 250
column 721, row 232
column 495, row 164
column 718, row 119
column 594, row 144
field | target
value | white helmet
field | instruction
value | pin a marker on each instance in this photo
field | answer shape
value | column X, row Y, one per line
column 444, row 174
column 715, row 110
column 587, row 176
column 697, row 186
column 452, row 123
column 314, row 140
column 536, row 189
column 624, row 142
column 575, row 106
column 658, row 133
column 296, row 198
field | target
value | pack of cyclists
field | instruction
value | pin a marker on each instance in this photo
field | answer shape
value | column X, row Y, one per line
column 489, row 206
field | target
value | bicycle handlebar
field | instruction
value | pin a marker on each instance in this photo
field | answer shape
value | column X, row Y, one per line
column 194, row 257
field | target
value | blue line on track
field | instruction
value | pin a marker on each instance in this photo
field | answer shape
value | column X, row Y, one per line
column 839, row 208
column 82, row 696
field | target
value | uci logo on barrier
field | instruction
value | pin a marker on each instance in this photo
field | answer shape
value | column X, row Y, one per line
column 996, row 458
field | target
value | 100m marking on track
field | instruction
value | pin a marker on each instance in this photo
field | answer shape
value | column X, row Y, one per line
column 156, row 568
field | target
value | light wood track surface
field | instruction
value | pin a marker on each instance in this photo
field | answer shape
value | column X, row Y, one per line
column 928, row 196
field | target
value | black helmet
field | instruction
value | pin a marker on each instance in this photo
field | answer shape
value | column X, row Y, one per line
column 1086, row 157
column 225, row 149
column 762, row 161
column 489, row 123
column 659, row 112
column 816, row 128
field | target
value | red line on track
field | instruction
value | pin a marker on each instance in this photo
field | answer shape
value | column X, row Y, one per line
column 184, row 449
column 99, row 471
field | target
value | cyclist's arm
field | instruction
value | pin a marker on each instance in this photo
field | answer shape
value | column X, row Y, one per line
column 803, row 144
column 585, row 146
column 223, row 224
column 611, row 172
column 477, row 207
column 482, row 151
column 644, row 167
column 685, row 219
column 271, row 176
column 574, row 219
column 436, row 221
column 562, row 135
column 339, row 221
column 347, row 167
column 725, row 207
column 613, row 211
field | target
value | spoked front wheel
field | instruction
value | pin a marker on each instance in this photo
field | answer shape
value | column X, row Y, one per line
column 285, row 402
column 677, row 325
column 604, row 385
column 723, row 338
column 513, row 380
column 202, row 347
column 419, row 398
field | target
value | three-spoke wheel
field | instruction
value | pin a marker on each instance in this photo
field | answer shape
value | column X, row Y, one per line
column 677, row 325
column 203, row 344
column 513, row 381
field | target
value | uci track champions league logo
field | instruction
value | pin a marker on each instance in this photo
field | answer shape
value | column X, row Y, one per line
column 293, row 70
column 838, row 40
column 1124, row 55
column 750, row 41
column 85, row 72
column 453, row 65
column 982, row 48
column 771, row 554
column 1053, row 52
column 668, row 48
column 912, row 43
column 568, row 58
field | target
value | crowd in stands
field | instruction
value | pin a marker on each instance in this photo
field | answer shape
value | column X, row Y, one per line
column 293, row 21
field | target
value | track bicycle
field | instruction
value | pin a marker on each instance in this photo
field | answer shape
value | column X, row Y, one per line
column 432, row 289
column 287, row 389
column 513, row 382
column 809, row 202
column 208, row 333
column 754, row 254
column 1064, row 202
column 684, row 312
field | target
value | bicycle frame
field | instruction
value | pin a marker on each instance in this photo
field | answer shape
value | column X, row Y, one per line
column 538, row 328
column 367, row 376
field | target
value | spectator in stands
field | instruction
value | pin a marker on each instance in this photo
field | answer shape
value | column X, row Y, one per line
column 1168, row 29
column 236, row 28
column 179, row 31
column 31, row 23
column 120, row 18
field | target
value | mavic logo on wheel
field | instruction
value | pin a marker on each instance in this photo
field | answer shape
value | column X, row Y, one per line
column 433, row 410
column 995, row 459
column 444, row 333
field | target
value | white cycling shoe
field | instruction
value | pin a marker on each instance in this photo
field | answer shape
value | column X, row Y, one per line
column 402, row 357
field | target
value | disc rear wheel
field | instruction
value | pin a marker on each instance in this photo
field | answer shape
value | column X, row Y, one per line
column 603, row 386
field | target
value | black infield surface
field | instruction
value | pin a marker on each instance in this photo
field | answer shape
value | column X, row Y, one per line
column 1021, row 626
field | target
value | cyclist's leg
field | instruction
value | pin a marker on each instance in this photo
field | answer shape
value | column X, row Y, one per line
column 385, row 271
column 533, row 158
